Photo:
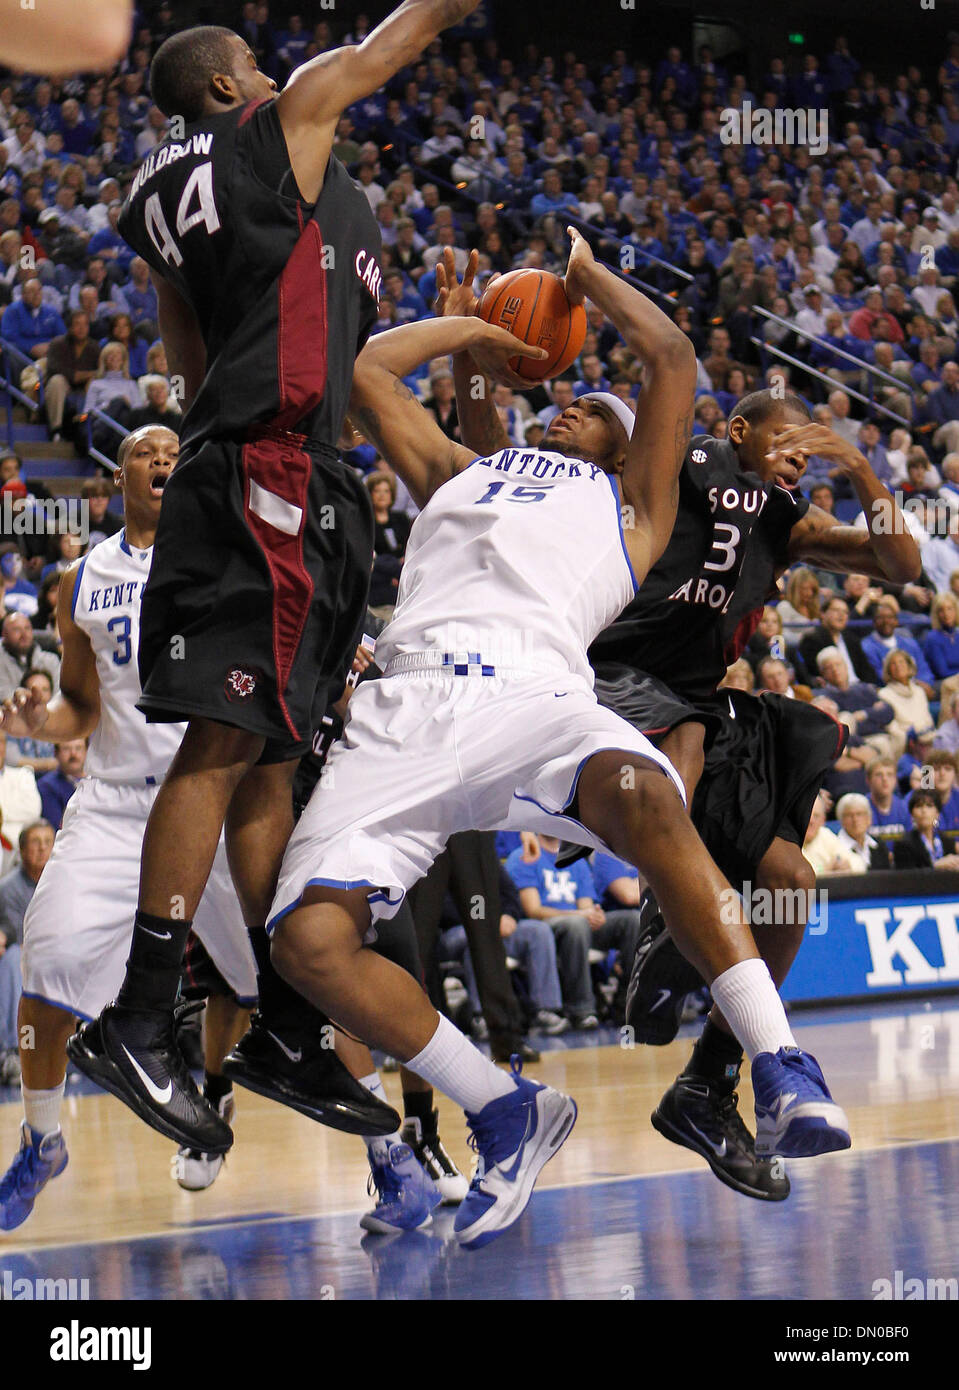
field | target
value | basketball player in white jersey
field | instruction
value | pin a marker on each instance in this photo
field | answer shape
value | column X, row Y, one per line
column 486, row 719
column 76, row 930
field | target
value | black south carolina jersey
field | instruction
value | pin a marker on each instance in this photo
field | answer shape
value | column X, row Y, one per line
column 703, row 597
column 285, row 292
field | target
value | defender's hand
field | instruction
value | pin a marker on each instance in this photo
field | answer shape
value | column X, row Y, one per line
column 455, row 296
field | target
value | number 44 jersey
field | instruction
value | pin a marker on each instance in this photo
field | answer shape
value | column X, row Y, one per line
column 701, row 601
column 106, row 606
column 285, row 292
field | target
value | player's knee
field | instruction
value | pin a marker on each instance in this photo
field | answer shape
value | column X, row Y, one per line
column 648, row 802
column 308, row 949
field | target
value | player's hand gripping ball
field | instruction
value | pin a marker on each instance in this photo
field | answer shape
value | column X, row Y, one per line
column 534, row 306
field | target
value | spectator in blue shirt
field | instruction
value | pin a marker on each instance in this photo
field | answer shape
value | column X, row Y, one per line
column 29, row 324
column 889, row 809
column 566, row 899
column 57, row 787
column 141, row 299
column 942, row 645
column 887, row 636
column 553, row 197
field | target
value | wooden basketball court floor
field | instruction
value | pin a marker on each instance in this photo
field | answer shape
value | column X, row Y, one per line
column 620, row 1213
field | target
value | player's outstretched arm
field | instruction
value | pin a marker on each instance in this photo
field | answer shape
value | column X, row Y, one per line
column 885, row 550
column 74, row 711
column 391, row 417
column 664, row 414
column 320, row 91
column 480, row 425
column 61, row 37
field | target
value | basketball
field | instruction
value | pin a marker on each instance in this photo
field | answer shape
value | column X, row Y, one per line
column 533, row 305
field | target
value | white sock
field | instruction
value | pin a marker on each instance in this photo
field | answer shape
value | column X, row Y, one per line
column 41, row 1109
column 378, row 1144
column 752, row 1007
column 451, row 1064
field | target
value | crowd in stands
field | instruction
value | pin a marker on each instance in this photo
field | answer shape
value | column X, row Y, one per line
column 832, row 271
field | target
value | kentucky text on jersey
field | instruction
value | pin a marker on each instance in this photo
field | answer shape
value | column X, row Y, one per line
column 115, row 596
column 539, row 465
column 201, row 143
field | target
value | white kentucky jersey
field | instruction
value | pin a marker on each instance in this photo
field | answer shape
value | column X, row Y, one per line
column 518, row 560
column 106, row 606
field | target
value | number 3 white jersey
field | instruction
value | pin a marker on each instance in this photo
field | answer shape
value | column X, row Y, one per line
column 518, row 560
column 106, row 606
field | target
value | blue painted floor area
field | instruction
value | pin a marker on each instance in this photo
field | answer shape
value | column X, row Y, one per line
column 671, row 1237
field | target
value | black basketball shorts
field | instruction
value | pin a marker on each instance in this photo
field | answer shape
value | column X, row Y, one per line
column 257, row 593
column 765, row 760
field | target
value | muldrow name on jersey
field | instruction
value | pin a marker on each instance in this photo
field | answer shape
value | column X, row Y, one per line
column 110, row 596
column 201, row 143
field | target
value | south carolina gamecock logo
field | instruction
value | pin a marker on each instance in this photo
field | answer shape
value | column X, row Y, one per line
column 239, row 685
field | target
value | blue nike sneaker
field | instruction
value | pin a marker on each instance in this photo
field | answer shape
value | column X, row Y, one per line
column 406, row 1194
column 41, row 1157
column 795, row 1114
column 514, row 1136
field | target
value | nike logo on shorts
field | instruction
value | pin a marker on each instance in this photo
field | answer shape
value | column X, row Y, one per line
column 162, row 1097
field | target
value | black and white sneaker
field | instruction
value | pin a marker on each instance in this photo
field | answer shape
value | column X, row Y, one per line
column 704, row 1117
column 308, row 1077
column 660, row 979
column 133, row 1055
column 428, row 1148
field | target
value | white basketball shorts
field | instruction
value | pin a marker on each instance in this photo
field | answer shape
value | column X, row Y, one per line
column 78, row 927
column 424, row 756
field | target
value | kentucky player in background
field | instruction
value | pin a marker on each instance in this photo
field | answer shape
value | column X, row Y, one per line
column 76, row 930
column 264, row 255
column 485, row 718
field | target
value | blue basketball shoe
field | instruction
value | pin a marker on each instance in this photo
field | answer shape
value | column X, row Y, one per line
column 795, row 1114
column 40, row 1158
column 406, row 1194
column 514, row 1136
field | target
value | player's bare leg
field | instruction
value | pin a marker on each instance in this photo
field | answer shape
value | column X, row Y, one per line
column 638, row 813
column 517, row 1125
column 42, row 1030
column 288, row 1053
column 131, row 1049
column 700, row 1109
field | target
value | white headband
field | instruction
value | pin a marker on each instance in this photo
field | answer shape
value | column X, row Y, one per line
column 620, row 409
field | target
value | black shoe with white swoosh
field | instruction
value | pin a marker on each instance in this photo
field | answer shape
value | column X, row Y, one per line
column 281, row 1064
column 133, row 1055
column 659, row 981
column 704, row 1117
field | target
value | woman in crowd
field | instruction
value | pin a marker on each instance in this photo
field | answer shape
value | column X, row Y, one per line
column 389, row 545
column 112, row 381
column 942, row 648
column 799, row 610
column 922, row 847
column 910, row 705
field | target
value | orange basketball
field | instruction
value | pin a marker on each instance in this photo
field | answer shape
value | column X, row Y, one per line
column 533, row 305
